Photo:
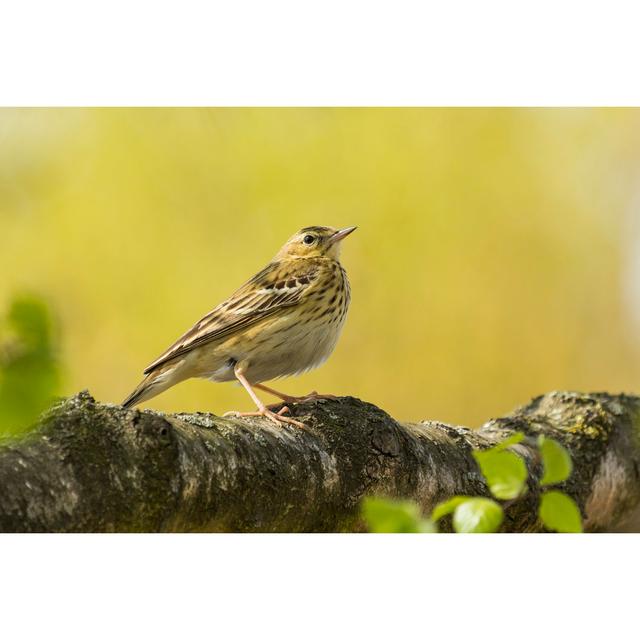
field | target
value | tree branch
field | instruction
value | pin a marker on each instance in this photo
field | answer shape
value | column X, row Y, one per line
column 97, row 467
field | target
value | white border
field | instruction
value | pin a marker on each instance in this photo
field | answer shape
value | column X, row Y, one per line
column 318, row 586
column 287, row 52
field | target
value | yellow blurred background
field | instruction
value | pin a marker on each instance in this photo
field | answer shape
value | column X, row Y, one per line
column 496, row 256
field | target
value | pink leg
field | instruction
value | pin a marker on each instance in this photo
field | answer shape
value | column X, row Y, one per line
column 262, row 410
column 286, row 398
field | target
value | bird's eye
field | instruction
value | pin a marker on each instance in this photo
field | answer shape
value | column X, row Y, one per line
column 308, row 239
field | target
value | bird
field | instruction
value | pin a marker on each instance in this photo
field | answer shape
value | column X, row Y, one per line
column 284, row 321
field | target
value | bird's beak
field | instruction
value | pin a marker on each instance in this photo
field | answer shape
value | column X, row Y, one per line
column 340, row 235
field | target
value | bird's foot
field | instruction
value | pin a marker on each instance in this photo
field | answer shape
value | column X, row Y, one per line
column 276, row 417
column 313, row 395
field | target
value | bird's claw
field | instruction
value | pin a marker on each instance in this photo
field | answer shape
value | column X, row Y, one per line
column 276, row 417
column 313, row 395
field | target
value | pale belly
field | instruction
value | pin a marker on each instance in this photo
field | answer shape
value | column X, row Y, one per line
column 278, row 349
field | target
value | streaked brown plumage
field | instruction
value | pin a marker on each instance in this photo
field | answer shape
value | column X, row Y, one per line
column 283, row 321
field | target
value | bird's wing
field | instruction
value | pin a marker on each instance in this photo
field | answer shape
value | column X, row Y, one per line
column 269, row 292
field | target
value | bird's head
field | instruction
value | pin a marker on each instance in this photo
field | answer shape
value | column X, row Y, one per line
column 314, row 242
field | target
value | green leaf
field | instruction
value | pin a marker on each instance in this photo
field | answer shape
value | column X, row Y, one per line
column 394, row 516
column 477, row 515
column 556, row 461
column 514, row 438
column 29, row 319
column 447, row 507
column 560, row 513
column 29, row 371
column 505, row 472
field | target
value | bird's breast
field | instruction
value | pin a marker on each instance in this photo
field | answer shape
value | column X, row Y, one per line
column 288, row 343
column 304, row 338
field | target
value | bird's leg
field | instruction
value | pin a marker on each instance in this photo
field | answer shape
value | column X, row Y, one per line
column 314, row 395
column 283, row 396
column 262, row 410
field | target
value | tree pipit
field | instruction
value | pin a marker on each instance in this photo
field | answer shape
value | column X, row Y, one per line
column 284, row 321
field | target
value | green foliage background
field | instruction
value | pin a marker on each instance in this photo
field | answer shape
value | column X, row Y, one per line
column 29, row 369
column 492, row 260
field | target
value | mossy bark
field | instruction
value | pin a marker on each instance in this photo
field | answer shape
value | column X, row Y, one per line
column 97, row 467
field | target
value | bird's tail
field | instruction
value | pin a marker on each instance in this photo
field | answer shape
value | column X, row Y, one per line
column 154, row 384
